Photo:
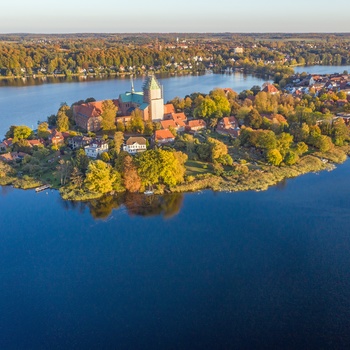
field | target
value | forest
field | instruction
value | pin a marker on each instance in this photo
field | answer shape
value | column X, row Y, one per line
column 83, row 54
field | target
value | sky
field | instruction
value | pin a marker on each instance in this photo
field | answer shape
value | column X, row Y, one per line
column 180, row 16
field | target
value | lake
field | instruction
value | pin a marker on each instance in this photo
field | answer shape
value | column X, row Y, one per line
column 27, row 104
column 245, row 270
column 250, row 270
column 321, row 69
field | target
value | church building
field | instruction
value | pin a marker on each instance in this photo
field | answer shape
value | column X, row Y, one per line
column 150, row 101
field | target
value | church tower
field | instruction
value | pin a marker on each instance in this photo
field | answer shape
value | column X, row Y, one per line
column 153, row 95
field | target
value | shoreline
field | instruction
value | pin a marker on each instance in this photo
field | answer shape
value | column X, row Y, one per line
column 254, row 180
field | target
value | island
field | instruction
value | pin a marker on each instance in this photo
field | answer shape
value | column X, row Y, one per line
column 222, row 141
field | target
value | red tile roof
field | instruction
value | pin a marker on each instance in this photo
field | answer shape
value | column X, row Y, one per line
column 166, row 124
column 197, row 123
column 169, row 108
column 91, row 109
column 160, row 135
column 180, row 116
column 270, row 89
column 35, row 142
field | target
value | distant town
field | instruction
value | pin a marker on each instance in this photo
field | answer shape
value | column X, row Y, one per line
column 223, row 140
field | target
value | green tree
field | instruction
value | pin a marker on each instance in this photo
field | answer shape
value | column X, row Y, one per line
column 340, row 132
column 253, row 119
column 301, row 148
column 62, row 120
column 136, row 122
column 21, row 132
column 149, row 128
column 10, row 133
column 159, row 167
column 108, row 115
column 223, row 107
column 82, row 161
column 43, row 131
column 105, row 157
column 76, row 178
column 284, row 141
column 206, row 108
column 118, row 141
column 291, row 158
column 217, row 148
column 274, row 157
column 101, row 177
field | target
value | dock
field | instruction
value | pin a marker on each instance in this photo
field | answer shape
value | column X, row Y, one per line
column 42, row 188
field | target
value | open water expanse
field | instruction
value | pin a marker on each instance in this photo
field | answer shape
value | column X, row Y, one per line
column 249, row 270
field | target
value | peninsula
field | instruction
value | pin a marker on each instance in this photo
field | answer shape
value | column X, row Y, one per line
column 222, row 140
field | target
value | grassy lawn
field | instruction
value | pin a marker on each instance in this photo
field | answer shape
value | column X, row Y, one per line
column 194, row 168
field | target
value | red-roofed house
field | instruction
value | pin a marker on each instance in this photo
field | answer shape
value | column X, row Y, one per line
column 34, row 143
column 179, row 116
column 166, row 124
column 5, row 144
column 175, row 120
column 228, row 126
column 163, row 136
column 168, row 110
column 271, row 89
column 56, row 138
column 196, row 124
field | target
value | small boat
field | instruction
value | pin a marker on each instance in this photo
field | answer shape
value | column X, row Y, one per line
column 148, row 192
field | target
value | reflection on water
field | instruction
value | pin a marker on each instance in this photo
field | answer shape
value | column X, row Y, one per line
column 40, row 80
column 167, row 205
column 5, row 190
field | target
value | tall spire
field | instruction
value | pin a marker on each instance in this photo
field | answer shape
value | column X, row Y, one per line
column 132, row 84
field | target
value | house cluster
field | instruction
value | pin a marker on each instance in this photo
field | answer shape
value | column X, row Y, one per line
column 320, row 83
column 150, row 103
column 92, row 147
column 228, row 126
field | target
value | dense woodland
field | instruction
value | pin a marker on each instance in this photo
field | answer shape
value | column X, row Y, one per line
column 28, row 55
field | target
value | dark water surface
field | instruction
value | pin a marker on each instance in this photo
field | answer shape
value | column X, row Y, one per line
column 245, row 270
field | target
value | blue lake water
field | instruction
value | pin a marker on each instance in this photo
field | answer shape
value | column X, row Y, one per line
column 231, row 270
column 247, row 270
column 321, row 69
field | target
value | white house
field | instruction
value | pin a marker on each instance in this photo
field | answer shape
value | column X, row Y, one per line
column 95, row 148
column 135, row 145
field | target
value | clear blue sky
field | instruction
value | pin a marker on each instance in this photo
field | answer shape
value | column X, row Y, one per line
column 77, row 16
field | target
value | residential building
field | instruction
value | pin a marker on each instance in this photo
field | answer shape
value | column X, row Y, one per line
column 228, row 126
column 56, row 138
column 169, row 109
column 270, row 89
column 135, row 145
column 163, row 136
column 96, row 148
column 79, row 142
column 196, row 125
column 4, row 145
